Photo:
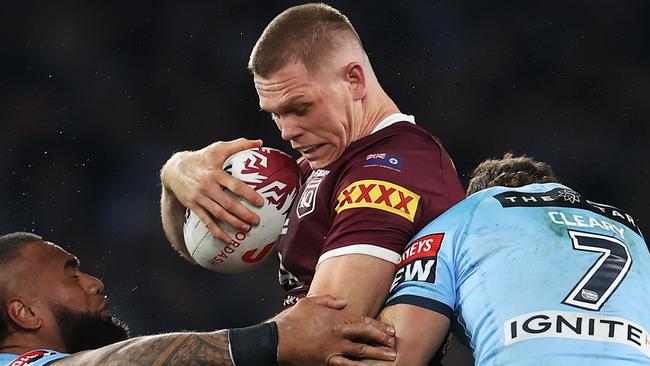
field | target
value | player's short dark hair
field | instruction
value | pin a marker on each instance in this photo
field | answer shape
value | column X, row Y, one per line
column 303, row 33
column 510, row 171
column 10, row 245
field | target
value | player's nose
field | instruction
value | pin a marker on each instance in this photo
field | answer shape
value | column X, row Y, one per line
column 92, row 284
column 288, row 129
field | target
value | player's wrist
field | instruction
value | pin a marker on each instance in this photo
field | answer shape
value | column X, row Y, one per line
column 170, row 169
column 255, row 345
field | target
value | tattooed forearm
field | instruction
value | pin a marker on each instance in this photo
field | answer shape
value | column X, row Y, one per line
column 161, row 350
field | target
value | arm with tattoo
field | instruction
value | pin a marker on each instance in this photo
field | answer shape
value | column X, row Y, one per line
column 313, row 332
column 166, row 349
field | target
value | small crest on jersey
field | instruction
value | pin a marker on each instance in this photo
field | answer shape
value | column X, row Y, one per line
column 589, row 295
column 384, row 160
column 307, row 202
column 31, row 357
column 381, row 195
column 569, row 195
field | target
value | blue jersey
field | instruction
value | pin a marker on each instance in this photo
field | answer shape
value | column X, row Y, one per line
column 536, row 275
column 39, row 357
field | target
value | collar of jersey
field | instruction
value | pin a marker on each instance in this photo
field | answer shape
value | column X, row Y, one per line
column 7, row 357
column 392, row 119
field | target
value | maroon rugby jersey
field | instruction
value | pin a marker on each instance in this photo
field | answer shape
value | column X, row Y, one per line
column 372, row 200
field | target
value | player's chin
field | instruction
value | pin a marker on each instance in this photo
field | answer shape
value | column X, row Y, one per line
column 105, row 315
column 315, row 164
column 323, row 160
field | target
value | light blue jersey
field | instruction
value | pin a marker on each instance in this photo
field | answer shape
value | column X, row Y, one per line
column 39, row 357
column 537, row 275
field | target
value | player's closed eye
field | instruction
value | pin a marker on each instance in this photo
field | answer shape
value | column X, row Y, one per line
column 302, row 110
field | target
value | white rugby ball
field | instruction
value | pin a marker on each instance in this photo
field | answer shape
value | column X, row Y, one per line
column 276, row 177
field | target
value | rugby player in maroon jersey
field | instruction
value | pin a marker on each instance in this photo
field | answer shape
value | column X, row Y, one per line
column 372, row 178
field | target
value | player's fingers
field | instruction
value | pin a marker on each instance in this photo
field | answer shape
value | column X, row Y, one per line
column 361, row 350
column 327, row 300
column 341, row 361
column 209, row 223
column 388, row 328
column 370, row 332
column 231, row 147
column 231, row 204
column 239, row 189
column 222, row 211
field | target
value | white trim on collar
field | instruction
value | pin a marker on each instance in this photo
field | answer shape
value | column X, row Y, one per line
column 392, row 119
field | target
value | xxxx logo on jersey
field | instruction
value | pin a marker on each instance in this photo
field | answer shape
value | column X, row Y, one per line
column 380, row 195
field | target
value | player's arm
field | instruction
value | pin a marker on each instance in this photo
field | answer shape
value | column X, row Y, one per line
column 362, row 280
column 314, row 332
column 180, row 348
column 196, row 180
column 419, row 333
column 420, row 306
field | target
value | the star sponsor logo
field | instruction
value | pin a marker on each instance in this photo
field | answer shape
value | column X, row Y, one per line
column 569, row 195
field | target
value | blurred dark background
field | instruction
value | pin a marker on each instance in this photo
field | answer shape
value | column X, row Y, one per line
column 94, row 97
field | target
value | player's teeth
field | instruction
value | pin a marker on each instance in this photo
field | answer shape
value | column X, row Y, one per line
column 309, row 149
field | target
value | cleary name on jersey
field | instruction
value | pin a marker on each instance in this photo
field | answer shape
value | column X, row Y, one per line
column 382, row 190
column 536, row 275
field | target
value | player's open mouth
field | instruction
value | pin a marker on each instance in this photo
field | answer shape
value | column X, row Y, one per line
column 309, row 150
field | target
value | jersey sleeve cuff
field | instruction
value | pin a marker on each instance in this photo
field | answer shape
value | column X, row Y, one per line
column 367, row 249
column 430, row 304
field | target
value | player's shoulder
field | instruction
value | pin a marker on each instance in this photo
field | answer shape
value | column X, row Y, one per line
column 499, row 197
column 403, row 136
column 489, row 199
column 400, row 147
column 39, row 357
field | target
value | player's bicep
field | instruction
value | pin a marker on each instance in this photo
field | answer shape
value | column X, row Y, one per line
column 362, row 280
column 419, row 332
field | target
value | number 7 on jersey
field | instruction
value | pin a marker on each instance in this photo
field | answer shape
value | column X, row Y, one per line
column 604, row 276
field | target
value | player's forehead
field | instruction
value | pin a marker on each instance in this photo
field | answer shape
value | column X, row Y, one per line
column 54, row 248
column 47, row 252
column 285, row 86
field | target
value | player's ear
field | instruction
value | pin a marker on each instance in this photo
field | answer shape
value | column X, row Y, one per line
column 356, row 78
column 23, row 315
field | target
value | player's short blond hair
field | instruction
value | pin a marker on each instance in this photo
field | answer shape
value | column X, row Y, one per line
column 304, row 33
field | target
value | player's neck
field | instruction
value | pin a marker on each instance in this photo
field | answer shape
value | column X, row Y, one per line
column 376, row 112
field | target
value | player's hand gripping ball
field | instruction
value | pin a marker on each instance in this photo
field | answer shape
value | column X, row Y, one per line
column 276, row 177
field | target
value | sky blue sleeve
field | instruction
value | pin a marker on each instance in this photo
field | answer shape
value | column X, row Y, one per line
column 426, row 274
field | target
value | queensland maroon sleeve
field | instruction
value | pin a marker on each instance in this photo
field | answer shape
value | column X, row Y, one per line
column 387, row 194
